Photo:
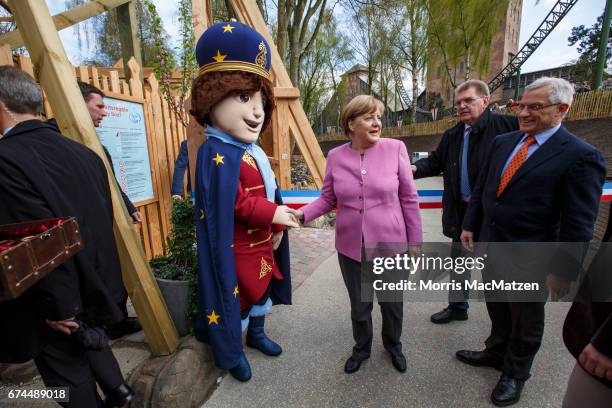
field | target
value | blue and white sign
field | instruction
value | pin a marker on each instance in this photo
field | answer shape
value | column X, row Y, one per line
column 124, row 134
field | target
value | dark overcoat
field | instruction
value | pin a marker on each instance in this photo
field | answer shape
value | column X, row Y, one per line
column 446, row 160
column 46, row 175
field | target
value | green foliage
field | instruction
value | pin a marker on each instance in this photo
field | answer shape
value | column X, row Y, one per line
column 164, row 63
column 186, row 50
column 587, row 41
column 181, row 263
column 462, row 31
column 104, row 29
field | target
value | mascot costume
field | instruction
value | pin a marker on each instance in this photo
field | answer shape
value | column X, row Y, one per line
column 243, row 248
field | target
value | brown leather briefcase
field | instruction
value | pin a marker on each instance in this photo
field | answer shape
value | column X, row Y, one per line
column 30, row 250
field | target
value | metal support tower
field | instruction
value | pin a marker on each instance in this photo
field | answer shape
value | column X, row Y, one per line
column 559, row 10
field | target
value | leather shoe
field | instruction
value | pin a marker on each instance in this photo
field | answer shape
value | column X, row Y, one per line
column 507, row 391
column 399, row 361
column 479, row 358
column 449, row 314
column 352, row 364
column 119, row 396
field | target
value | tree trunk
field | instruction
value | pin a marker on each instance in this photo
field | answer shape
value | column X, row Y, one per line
column 283, row 21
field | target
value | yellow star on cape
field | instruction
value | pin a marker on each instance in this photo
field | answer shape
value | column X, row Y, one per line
column 218, row 159
column 213, row 318
column 228, row 28
column 236, row 291
column 202, row 214
column 219, row 57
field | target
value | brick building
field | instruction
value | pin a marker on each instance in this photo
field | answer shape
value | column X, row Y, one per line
column 504, row 46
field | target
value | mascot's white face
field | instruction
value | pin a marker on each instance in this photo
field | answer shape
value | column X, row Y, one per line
column 240, row 115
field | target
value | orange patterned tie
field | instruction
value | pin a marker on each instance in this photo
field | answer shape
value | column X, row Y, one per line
column 515, row 164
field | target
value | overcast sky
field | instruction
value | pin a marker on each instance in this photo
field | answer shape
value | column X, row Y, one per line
column 552, row 53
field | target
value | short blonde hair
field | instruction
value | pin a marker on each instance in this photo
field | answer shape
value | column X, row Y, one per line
column 359, row 105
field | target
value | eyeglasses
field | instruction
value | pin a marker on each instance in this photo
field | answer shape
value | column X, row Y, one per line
column 467, row 101
column 534, row 107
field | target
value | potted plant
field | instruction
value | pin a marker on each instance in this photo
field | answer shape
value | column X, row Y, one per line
column 177, row 273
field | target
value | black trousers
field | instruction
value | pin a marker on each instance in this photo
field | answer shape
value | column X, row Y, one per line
column 65, row 363
column 361, row 310
column 458, row 299
column 516, row 335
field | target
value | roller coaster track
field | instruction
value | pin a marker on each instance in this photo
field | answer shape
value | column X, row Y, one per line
column 397, row 77
column 559, row 10
column 405, row 99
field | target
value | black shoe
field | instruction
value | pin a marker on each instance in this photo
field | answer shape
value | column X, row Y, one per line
column 119, row 396
column 507, row 391
column 352, row 364
column 479, row 358
column 399, row 361
column 127, row 326
column 449, row 314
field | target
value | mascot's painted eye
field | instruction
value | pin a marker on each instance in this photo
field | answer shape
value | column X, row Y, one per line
column 243, row 98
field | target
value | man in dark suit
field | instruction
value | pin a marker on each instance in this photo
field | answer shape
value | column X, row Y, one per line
column 46, row 175
column 541, row 184
column 181, row 165
column 460, row 157
column 94, row 101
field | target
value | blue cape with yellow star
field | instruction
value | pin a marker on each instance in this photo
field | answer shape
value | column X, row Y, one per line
column 218, row 319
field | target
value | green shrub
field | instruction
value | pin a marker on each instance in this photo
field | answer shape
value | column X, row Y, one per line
column 181, row 263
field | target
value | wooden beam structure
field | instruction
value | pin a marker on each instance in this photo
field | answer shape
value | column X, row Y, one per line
column 66, row 19
column 128, row 34
column 56, row 76
column 201, row 11
column 288, row 120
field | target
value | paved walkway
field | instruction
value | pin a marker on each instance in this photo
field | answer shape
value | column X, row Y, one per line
column 316, row 337
column 315, row 333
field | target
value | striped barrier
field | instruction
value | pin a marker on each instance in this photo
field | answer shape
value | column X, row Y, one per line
column 427, row 198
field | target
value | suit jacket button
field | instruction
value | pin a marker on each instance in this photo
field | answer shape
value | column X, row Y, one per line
column 360, row 197
column 361, row 211
column 361, row 183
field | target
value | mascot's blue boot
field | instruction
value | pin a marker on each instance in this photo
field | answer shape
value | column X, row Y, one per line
column 242, row 372
column 256, row 337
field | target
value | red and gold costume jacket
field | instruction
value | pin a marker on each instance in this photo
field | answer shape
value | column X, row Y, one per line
column 253, row 229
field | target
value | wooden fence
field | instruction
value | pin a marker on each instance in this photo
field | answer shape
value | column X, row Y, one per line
column 589, row 105
column 164, row 135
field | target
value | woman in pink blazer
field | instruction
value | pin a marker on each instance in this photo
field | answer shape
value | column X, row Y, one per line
column 369, row 181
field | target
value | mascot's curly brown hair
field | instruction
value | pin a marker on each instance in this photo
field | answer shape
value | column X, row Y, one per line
column 211, row 88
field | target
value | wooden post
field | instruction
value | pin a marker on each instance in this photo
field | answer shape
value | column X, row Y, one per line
column 290, row 117
column 66, row 19
column 201, row 11
column 57, row 77
column 130, row 39
column 6, row 55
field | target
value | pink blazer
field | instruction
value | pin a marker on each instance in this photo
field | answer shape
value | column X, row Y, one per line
column 376, row 200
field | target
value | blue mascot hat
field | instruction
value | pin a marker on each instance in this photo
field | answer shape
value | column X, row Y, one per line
column 233, row 46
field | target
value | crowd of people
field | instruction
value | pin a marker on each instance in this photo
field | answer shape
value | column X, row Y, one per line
column 506, row 179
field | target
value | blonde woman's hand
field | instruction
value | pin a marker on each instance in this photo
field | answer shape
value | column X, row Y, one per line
column 299, row 214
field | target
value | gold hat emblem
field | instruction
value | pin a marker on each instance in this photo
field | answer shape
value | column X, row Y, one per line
column 262, row 56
